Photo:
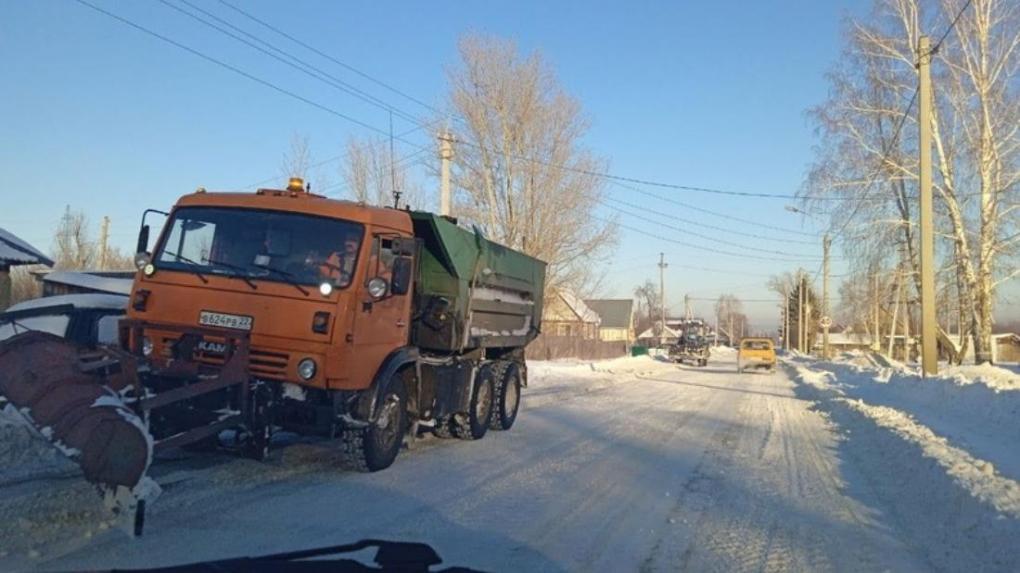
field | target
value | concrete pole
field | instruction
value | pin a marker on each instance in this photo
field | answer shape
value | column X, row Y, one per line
column 929, row 356
column 800, row 313
column 662, row 295
column 826, row 242
column 445, row 156
column 104, row 241
column 786, row 319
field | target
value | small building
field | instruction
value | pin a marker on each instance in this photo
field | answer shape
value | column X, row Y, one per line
column 616, row 318
column 55, row 283
column 653, row 337
column 15, row 252
column 844, row 341
column 1005, row 347
column 565, row 314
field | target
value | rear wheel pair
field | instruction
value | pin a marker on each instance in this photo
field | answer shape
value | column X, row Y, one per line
column 495, row 401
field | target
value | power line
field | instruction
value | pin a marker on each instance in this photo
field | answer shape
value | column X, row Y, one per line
column 707, row 237
column 952, row 25
column 711, row 212
column 698, row 247
column 300, row 65
column 716, row 228
column 238, row 71
column 327, row 56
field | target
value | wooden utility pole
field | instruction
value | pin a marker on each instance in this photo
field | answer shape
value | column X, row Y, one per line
column 662, row 295
column 929, row 356
column 104, row 240
column 826, row 320
column 445, row 156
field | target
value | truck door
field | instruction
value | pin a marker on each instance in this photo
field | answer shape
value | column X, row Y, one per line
column 381, row 324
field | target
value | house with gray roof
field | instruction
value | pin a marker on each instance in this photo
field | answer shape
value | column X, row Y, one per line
column 617, row 318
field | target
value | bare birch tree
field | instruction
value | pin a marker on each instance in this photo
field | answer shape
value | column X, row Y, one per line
column 976, row 148
column 297, row 160
column 519, row 170
column 73, row 247
column 372, row 174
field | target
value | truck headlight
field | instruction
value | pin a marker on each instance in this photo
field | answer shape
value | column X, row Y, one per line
column 306, row 369
column 146, row 346
column 377, row 287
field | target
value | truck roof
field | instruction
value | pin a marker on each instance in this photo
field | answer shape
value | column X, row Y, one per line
column 302, row 202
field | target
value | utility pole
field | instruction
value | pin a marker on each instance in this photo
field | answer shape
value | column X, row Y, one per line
column 688, row 311
column 445, row 155
column 826, row 320
column 662, row 294
column 104, row 240
column 786, row 319
column 929, row 356
column 800, row 313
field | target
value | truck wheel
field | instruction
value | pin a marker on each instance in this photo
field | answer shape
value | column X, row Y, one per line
column 508, row 398
column 474, row 424
column 374, row 447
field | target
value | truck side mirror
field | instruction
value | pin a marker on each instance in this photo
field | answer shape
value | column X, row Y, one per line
column 400, row 281
column 143, row 240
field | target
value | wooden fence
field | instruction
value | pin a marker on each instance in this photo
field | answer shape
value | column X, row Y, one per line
column 549, row 347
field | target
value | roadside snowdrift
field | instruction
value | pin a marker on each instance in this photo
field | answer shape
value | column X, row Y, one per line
column 935, row 450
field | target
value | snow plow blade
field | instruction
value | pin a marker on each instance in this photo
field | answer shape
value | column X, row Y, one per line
column 72, row 398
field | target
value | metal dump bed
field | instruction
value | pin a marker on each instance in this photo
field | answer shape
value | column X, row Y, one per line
column 472, row 292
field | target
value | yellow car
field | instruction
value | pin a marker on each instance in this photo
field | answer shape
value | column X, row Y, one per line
column 756, row 353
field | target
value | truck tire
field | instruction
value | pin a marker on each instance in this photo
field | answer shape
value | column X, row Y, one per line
column 375, row 446
column 508, row 397
column 475, row 423
column 442, row 428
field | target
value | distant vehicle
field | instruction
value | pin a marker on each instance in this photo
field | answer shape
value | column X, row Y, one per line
column 85, row 319
column 757, row 353
column 692, row 346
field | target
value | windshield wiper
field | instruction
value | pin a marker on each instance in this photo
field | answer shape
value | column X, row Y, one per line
column 287, row 277
column 187, row 261
column 239, row 272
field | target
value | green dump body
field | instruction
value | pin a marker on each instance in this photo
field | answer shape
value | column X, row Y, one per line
column 471, row 292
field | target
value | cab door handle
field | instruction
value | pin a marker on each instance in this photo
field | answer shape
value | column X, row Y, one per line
column 401, row 323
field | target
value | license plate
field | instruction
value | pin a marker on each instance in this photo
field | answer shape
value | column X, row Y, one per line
column 222, row 320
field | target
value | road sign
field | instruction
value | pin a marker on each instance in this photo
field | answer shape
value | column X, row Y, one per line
column 825, row 322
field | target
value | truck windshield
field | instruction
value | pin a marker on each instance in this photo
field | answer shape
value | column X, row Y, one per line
column 263, row 245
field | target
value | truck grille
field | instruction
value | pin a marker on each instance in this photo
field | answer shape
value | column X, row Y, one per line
column 262, row 363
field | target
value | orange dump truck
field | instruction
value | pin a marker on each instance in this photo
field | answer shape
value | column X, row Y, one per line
column 281, row 309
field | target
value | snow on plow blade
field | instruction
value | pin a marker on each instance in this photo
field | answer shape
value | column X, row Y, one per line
column 71, row 397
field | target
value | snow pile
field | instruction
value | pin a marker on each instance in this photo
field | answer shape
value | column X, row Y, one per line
column 941, row 451
column 553, row 380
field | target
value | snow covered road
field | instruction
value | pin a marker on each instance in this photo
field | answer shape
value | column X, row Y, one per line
column 624, row 465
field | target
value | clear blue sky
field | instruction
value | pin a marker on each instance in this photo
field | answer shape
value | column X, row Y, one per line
column 108, row 119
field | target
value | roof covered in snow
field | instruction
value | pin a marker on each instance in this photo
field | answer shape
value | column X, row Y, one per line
column 14, row 251
column 667, row 332
column 615, row 313
column 577, row 305
column 80, row 301
column 93, row 282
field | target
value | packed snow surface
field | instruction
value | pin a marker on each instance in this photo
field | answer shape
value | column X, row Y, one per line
column 632, row 464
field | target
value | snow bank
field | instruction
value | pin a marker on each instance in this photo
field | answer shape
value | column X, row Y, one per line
column 553, row 380
column 954, row 501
